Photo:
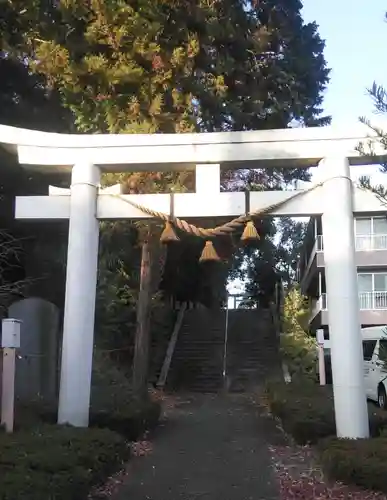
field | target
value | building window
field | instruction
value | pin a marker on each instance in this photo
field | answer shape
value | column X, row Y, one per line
column 371, row 233
column 363, row 227
column 368, row 349
column 372, row 290
column 380, row 282
column 383, row 350
column 365, row 283
column 379, row 225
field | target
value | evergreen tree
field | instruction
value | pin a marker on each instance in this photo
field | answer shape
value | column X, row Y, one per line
column 25, row 102
column 24, row 98
column 378, row 94
column 292, row 236
column 166, row 66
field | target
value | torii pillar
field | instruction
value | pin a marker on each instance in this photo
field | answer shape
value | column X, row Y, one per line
column 350, row 401
column 81, row 284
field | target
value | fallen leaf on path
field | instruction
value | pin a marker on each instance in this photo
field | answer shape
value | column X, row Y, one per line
column 301, row 478
column 141, row 448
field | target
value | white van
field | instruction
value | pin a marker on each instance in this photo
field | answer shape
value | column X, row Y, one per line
column 375, row 363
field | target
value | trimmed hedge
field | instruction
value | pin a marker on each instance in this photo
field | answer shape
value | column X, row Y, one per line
column 362, row 462
column 306, row 410
column 130, row 421
column 55, row 462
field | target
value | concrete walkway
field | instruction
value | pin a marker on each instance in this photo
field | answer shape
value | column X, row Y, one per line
column 208, row 448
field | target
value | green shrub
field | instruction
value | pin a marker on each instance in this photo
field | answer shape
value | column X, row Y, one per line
column 130, row 422
column 56, row 462
column 306, row 410
column 362, row 462
column 112, row 403
column 298, row 348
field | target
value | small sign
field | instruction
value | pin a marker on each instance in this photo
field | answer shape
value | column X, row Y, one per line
column 10, row 333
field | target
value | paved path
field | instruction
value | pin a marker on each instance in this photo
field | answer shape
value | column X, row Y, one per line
column 209, row 448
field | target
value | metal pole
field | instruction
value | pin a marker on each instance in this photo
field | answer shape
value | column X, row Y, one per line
column 224, row 372
column 321, row 357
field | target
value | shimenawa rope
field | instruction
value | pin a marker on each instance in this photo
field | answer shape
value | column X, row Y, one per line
column 223, row 230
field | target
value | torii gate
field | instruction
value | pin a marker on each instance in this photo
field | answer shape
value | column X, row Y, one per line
column 86, row 156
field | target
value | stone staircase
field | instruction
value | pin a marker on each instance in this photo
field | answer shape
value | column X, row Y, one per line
column 251, row 354
column 252, row 348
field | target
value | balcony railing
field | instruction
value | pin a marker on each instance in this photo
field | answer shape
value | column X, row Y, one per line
column 318, row 305
column 367, row 301
column 371, row 242
column 363, row 242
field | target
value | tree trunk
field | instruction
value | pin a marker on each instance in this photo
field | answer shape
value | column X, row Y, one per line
column 158, row 257
column 142, row 339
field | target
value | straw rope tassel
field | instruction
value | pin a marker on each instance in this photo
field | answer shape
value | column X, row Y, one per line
column 209, row 253
column 169, row 235
column 250, row 233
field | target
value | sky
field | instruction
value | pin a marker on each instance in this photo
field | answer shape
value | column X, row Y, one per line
column 355, row 32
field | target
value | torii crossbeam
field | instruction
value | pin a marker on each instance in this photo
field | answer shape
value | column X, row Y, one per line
column 86, row 156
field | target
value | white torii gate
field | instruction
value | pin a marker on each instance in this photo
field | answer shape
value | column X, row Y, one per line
column 86, row 156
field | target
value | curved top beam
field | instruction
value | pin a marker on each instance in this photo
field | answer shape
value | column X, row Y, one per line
column 26, row 137
column 292, row 147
